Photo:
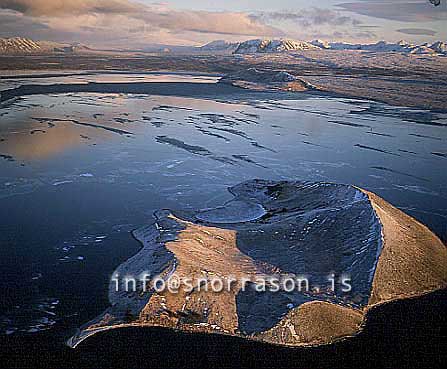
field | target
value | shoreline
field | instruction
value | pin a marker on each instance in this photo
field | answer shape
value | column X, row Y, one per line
column 206, row 91
column 402, row 333
column 415, row 81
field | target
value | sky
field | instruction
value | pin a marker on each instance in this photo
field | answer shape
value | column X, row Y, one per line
column 140, row 23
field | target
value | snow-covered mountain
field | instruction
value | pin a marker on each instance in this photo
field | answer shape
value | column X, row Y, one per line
column 438, row 47
column 321, row 44
column 18, row 45
column 272, row 46
column 381, row 46
column 278, row 46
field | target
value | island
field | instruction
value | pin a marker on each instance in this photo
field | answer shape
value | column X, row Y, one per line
column 352, row 249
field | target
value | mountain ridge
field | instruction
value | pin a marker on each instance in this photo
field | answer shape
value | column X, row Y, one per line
column 23, row 45
column 272, row 46
column 20, row 45
column 268, row 46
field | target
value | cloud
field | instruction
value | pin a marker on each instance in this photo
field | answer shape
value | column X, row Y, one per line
column 345, row 35
column 315, row 22
column 14, row 24
column 417, row 31
column 313, row 16
column 207, row 22
column 116, row 16
column 398, row 10
column 127, row 23
column 68, row 7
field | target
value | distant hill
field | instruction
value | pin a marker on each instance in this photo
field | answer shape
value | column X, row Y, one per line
column 73, row 48
column 220, row 46
column 214, row 47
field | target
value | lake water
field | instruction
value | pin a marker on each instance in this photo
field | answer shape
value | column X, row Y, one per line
column 79, row 171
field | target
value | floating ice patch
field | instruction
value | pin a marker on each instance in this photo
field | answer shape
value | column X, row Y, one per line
column 233, row 212
column 34, row 318
column 61, row 183
column 36, row 276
